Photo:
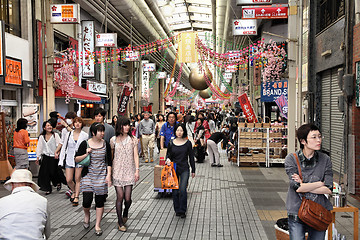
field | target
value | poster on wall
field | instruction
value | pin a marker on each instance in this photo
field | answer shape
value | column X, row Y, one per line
column 88, row 61
column 31, row 113
column 32, row 149
column 13, row 71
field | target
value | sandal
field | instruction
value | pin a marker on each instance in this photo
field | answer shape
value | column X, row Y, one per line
column 86, row 225
column 98, row 232
column 75, row 204
column 58, row 187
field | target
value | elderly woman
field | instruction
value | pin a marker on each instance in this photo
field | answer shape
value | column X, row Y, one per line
column 317, row 180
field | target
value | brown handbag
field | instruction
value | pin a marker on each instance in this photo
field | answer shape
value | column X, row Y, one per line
column 311, row 213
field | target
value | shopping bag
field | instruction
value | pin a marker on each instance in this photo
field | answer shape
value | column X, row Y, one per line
column 169, row 179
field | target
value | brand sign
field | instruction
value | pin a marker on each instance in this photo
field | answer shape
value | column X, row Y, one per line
column 252, row 2
column 283, row 105
column 130, row 56
column 149, row 67
column 106, row 40
column 124, row 99
column 64, row 13
column 247, row 108
column 265, row 12
column 13, row 71
column 88, row 63
column 96, row 87
column 272, row 90
column 161, row 75
column 244, row 27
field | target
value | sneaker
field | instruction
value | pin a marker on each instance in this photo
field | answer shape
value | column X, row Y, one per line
column 178, row 214
column 183, row 215
column 213, row 164
column 220, row 165
column 68, row 193
column 152, row 160
column 146, row 161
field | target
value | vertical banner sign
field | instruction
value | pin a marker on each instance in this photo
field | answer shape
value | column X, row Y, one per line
column 88, row 61
column 124, row 100
column 2, row 48
column 13, row 71
column 357, row 72
column 247, row 108
column 283, row 105
column 144, row 79
column 187, row 50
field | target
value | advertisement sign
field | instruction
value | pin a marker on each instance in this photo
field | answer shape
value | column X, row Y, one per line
column 96, row 87
column 253, row 2
column 149, row 67
column 64, row 13
column 272, row 90
column 187, row 50
column 125, row 96
column 283, row 105
column 106, row 40
column 32, row 149
column 231, row 68
column 257, row 76
column 130, row 56
column 88, row 63
column 357, row 89
column 265, row 12
column 2, row 48
column 145, row 77
column 247, row 108
column 13, row 71
column 161, row 75
column 244, row 27
column 31, row 113
column 227, row 75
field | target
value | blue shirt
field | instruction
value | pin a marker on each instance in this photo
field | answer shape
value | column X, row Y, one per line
column 167, row 131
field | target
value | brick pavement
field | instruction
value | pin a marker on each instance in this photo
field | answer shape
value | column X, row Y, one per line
column 223, row 203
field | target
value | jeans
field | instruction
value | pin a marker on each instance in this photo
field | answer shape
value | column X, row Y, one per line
column 297, row 230
column 180, row 195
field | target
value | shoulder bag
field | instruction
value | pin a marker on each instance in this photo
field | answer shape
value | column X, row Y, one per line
column 86, row 161
column 311, row 213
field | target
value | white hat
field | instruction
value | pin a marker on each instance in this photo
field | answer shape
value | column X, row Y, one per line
column 21, row 176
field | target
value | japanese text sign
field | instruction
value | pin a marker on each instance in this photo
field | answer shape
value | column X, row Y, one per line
column 65, row 13
column 265, row 12
column 149, row 67
column 247, row 108
column 106, row 40
column 124, row 100
column 13, row 71
column 96, row 87
column 242, row 2
column 145, row 79
column 187, row 50
column 161, row 75
column 274, row 89
column 244, row 27
column 88, row 64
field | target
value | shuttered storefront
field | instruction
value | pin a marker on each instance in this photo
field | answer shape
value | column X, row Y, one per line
column 332, row 122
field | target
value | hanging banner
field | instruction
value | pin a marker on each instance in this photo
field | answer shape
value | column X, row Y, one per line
column 187, row 50
column 272, row 90
column 265, row 12
column 96, row 87
column 106, row 40
column 357, row 89
column 125, row 96
column 252, row 2
column 145, row 77
column 283, row 105
column 64, row 13
column 244, row 27
column 247, row 108
column 88, row 61
column 31, row 113
column 257, row 76
column 161, row 75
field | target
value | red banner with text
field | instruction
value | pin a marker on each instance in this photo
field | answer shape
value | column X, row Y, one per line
column 125, row 96
column 247, row 108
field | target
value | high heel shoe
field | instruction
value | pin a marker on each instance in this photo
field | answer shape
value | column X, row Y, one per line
column 98, row 232
column 75, row 204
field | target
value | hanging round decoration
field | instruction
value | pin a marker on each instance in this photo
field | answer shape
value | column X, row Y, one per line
column 197, row 80
column 205, row 93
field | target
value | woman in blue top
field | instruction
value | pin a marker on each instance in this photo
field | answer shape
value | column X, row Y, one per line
column 180, row 152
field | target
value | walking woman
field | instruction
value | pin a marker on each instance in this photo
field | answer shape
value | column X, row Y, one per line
column 199, row 140
column 181, row 153
column 67, row 158
column 317, row 180
column 21, row 144
column 45, row 153
column 125, row 171
column 97, row 175
column 160, row 122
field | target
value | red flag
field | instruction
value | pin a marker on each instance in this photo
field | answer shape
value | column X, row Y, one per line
column 124, row 100
column 247, row 108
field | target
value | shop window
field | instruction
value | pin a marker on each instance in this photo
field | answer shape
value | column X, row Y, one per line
column 8, row 95
column 329, row 11
column 10, row 14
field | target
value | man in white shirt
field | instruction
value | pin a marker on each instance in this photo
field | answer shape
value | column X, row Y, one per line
column 24, row 213
column 147, row 132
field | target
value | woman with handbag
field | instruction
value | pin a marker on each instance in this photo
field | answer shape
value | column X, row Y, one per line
column 125, row 170
column 67, row 158
column 45, row 153
column 181, row 153
column 97, row 176
column 311, row 177
column 199, row 139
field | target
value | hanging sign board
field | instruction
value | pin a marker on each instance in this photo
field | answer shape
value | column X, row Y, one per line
column 231, row 68
column 106, row 40
column 247, row 108
column 265, row 12
column 64, row 13
column 252, row 2
column 124, row 99
column 31, row 113
column 187, row 51
column 161, row 75
column 149, row 67
column 88, row 63
column 145, row 76
column 96, row 87
column 244, row 27
column 227, row 75
column 274, row 89
column 130, row 56
column 13, row 71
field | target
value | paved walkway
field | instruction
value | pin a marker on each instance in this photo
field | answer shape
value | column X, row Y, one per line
column 223, row 203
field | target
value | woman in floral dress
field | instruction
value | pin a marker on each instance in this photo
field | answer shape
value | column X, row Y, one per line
column 125, row 171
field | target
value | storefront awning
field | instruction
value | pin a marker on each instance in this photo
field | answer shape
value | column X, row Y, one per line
column 83, row 94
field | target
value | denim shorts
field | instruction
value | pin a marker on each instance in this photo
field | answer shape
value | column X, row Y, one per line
column 77, row 165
